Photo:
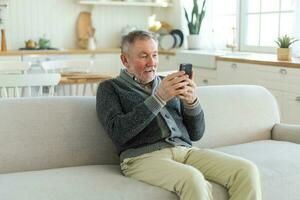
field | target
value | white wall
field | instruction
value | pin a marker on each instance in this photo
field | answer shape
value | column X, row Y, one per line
column 31, row 19
column 109, row 21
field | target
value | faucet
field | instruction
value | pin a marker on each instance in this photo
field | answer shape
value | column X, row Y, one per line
column 233, row 45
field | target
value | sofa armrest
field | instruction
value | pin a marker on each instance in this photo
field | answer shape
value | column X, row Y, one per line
column 286, row 132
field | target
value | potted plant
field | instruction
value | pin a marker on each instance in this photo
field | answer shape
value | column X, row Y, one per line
column 284, row 51
column 194, row 24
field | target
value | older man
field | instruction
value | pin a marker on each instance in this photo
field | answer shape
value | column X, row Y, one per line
column 152, row 121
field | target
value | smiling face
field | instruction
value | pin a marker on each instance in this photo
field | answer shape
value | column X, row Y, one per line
column 141, row 60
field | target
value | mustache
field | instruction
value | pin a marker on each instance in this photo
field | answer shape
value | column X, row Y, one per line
column 150, row 69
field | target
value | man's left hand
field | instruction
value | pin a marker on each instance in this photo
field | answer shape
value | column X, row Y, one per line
column 189, row 96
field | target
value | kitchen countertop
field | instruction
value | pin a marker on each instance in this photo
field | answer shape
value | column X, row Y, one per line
column 261, row 59
column 69, row 51
column 246, row 57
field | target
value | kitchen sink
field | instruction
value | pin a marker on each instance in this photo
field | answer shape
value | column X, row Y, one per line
column 237, row 54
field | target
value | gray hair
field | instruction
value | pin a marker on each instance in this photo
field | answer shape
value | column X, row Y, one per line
column 131, row 37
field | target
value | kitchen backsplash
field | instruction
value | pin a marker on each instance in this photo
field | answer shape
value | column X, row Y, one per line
column 56, row 19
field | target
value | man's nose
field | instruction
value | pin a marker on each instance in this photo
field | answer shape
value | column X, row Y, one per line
column 152, row 61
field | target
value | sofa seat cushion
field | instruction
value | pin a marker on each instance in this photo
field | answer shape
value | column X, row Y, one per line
column 94, row 182
column 278, row 163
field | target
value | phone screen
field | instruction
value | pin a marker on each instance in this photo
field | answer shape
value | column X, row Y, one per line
column 187, row 67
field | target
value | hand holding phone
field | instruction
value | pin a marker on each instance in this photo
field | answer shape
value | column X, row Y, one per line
column 188, row 68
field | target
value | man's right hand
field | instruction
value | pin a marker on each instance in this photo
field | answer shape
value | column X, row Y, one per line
column 172, row 85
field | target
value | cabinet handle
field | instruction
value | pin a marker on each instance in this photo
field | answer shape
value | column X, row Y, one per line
column 205, row 81
column 283, row 71
column 233, row 65
column 298, row 98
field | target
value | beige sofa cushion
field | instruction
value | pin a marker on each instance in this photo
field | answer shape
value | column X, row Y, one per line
column 278, row 163
column 43, row 133
column 98, row 182
column 237, row 114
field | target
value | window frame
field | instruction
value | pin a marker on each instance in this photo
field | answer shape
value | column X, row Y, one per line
column 243, row 13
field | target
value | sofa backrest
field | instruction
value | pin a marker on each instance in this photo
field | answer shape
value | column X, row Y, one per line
column 43, row 133
column 236, row 114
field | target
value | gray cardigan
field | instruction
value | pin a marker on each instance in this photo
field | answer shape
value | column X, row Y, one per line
column 138, row 123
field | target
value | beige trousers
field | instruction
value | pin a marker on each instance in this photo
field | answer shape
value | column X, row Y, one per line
column 185, row 171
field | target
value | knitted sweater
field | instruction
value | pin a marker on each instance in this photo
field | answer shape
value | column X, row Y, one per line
column 138, row 123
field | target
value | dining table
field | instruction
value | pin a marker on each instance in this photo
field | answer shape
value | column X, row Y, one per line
column 82, row 78
column 80, row 83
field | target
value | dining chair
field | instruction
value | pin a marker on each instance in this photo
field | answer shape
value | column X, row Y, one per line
column 67, row 66
column 35, row 85
column 14, row 67
column 71, row 67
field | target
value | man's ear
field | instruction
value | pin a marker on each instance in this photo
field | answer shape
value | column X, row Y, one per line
column 124, row 59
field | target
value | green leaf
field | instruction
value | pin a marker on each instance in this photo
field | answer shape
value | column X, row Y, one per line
column 194, row 24
column 285, row 41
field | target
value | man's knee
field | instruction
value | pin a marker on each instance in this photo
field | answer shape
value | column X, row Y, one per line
column 248, row 169
column 192, row 176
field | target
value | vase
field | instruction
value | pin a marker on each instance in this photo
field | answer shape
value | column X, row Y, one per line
column 194, row 41
column 91, row 43
column 284, row 54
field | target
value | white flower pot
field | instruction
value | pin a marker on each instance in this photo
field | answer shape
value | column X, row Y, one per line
column 194, row 41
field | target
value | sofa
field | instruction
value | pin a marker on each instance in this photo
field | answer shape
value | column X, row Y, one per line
column 56, row 149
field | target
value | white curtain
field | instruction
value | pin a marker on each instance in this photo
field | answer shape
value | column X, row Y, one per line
column 216, row 30
column 296, row 27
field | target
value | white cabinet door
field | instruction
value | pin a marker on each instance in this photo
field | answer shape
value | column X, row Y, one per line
column 204, row 77
column 279, row 78
column 235, row 73
column 167, row 63
column 291, row 108
column 284, row 83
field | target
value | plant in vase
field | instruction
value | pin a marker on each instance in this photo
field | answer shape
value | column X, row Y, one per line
column 194, row 24
column 284, row 51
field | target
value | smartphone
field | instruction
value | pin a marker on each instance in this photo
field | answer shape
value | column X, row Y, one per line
column 187, row 67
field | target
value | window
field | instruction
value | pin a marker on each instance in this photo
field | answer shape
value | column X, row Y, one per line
column 225, row 23
column 219, row 27
column 251, row 25
column 262, row 21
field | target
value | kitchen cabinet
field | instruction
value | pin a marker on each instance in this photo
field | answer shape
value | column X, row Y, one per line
column 235, row 73
column 203, row 76
column 282, row 82
column 281, row 78
column 167, row 63
column 286, row 84
column 12, row 58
